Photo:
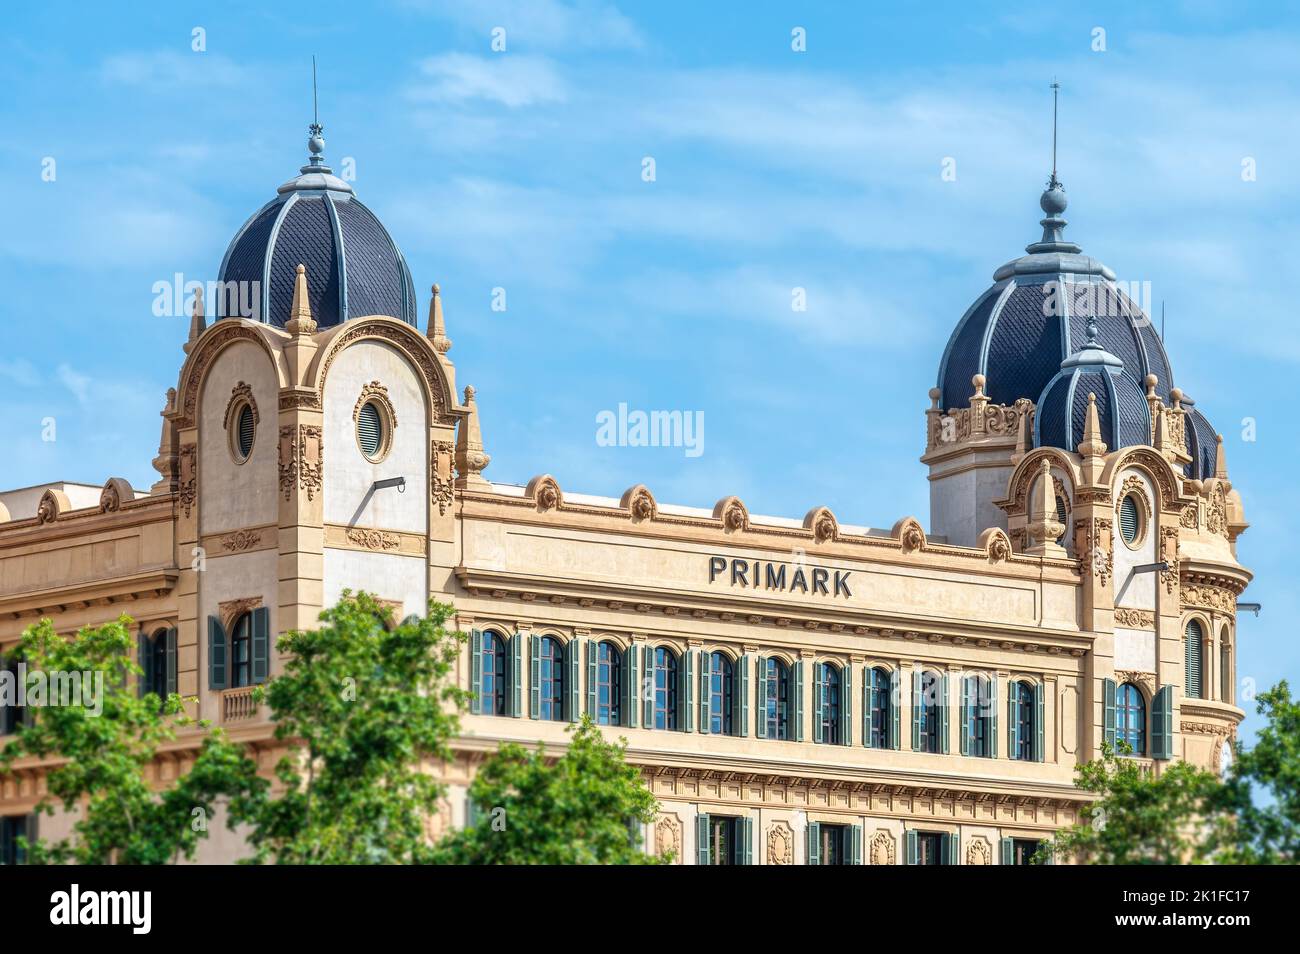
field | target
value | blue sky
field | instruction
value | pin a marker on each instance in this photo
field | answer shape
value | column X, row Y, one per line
column 774, row 170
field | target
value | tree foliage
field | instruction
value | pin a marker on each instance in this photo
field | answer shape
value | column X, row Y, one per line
column 586, row 807
column 101, row 752
column 366, row 706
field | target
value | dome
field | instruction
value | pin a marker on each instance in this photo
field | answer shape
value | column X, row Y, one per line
column 1122, row 409
column 1200, row 439
column 1036, row 314
column 353, row 266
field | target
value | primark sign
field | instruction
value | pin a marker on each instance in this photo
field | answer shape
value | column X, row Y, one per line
column 783, row 577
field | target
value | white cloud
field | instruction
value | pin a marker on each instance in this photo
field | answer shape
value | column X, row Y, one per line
column 168, row 69
column 512, row 81
column 543, row 24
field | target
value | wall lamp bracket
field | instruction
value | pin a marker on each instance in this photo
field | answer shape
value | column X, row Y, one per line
column 1250, row 607
column 398, row 482
column 1152, row 567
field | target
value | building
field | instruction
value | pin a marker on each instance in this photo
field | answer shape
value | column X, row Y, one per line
column 796, row 690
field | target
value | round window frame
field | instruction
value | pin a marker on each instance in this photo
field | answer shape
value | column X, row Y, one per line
column 1143, row 520
column 237, row 409
column 386, row 427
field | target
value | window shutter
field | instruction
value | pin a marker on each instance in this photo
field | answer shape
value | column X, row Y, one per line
column 571, row 697
column 31, row 827
column 943, row 716
column 142, row 657
column 760, row 697
column 1193, row 646
column 1162, row 724
column 704, row 691
column 686, row 704
column 796, row 675
column 631, row 691
column 814, row 840
column 261, row 644
column 1013, row 721
column 868, row 706
column 819, row 700
column 846, row 710
column 1108, row 711
column 475, row 671
column 916, row 713
column 993, row 716
column 853, row 850
column 895, row 702
column 216, row 654
column 701, row 838
column 515, row 696
column 534, row 676
column 171, row 660
column 1006, row 851
column 746, row 827
column 949, row 852
column 648, row 688
column 910, row 841
column 1039, row 749
column 471, row 812
column 590, row 648
column 966, row 727
column 741, row 716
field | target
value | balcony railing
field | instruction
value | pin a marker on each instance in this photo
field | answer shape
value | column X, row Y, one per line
column 238, row 704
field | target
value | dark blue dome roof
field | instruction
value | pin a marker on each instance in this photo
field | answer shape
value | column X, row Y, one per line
column 1201, row 440
column 1122, row 409
column 353, row 266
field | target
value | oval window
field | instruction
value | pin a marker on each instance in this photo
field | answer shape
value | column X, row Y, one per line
column 245, row 430
column 1130, row 519
column 370, row 430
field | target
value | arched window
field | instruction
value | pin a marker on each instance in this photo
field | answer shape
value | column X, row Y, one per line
column 551, row 680
column 880, row 708
column 666, row 676
column 1024, row 725
column 1225, row 668
column 929, row 712
column 978, row 702
column 155, row 663
column 1193, row 648
column 722, row 678
column 494, row 674
column 609, row 684
column 776, row 705
column 831, row 699
column 1062, row 516
column 1131, row 718
column 241, row 651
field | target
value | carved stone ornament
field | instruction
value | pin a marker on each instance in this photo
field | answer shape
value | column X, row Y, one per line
column 48, row 510
column 241, row 540
column 1146, row 681
column 1216, row 511
column 545, row 492
column 441, row 479
column 1189, row 518
column 186, row 489
column 996, row 545
column 979, row 852
column 231, row 610
column 909, row 534
column 1157, row 468
column 1210, row 597
column 780, row 844
column 1097, row 548
column 640, row 503
column 825, row 528
column 1135, row 618
column 732, row 513
column 115, row 493
column 299, row 399
column 1133, row 484
column 211, row 345
column 406, row 339
column 373, row 539
column 668, row 837
column 374, row 391
column 240, row 395
column 301, row 459
column 884, row 849
column 1169, row 553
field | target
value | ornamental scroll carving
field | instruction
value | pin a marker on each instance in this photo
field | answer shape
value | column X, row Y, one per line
column 241, row 393
column 1188, row 517
column 241, row 540
column 1210, row 597
column 1097, row 546
column 1216, row 511
column 883, row 849
column 1169, row 553
column 212, row 345
column 373, row 539
column 961, row 423
column 979, row 852
column 231, row 610
column 1134, row 618
column 408, row 341
column 301, row 459
column 1133, row 484
column 1143, row 680
column 186, row 490
column 374, row 391
column 780, row 844
column 668, row 837
column 441, row 479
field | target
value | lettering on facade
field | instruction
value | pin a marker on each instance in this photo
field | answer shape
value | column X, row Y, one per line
column 785, row 577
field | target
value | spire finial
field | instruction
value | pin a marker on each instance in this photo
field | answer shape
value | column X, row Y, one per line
column 437, row 329
column 300, row 320
column 1056, row 89
column 1053, row 201
column 316, row 142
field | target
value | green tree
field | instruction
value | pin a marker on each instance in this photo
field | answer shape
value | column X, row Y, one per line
column 1263, row 789
column 1139, row 818
column 102, row 748
column 577, row 809
column 365, row 707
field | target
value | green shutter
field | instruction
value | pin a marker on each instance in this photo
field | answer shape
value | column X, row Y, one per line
column 1013, row 721
column 515, row 698
column 475, row 671
column 966, row 727
column 171, row 660
column 846, row 710
column 1039, row 750
column 1006, row 851
column 572, row 652
column 631, row 691
column 261, row 644
column 1193, row 646
column 819, row 699
column 916, row 713
column 472, row 813
column 910, row 841
column 686, row 704
column 142, row 657
column 868, row 705
column 993, row 716
column 814, row 843
column 760, row 697
column 704, row 692
column 895, row 707
column 796, row 674
column 1162, row 724
column 943, row 715
column 534, row 676
column 701, row 838
column 746, row 827
column 590, row 649
column 216, row 654
column 1108, row 711
column 648, row 688
column 741, row 716
column 853, row 850
column 948, row 849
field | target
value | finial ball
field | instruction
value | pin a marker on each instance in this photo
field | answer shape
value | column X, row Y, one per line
column 435, row 288
column 1053, row 200
column 1150, row 380
column 978, row 380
